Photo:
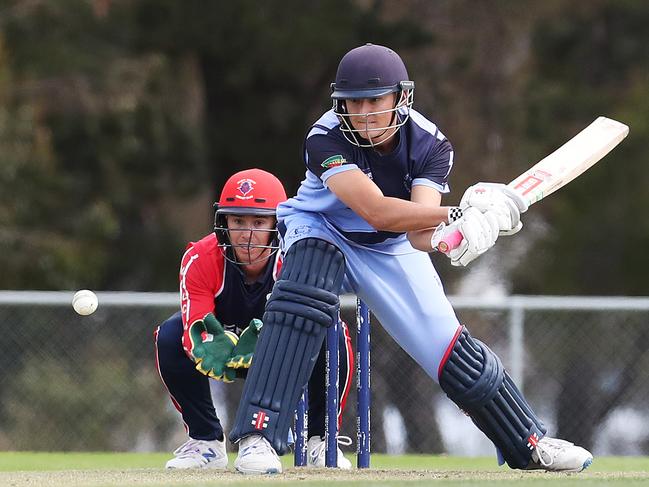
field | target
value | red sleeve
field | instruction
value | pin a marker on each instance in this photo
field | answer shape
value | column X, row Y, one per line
column 278, row 266
column 201, row 279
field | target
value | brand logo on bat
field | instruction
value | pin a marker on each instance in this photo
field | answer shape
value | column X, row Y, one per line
column 333, row 161
column 531, row 181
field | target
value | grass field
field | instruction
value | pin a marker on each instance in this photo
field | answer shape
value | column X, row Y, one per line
column 143, row 470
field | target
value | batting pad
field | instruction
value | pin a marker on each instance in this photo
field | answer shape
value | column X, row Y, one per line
column 474, row 378
column 304, row 302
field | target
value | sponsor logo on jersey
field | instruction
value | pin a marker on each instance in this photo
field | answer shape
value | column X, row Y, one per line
column 407, row 182
column 333, row 161
column 245, row 188
column 301, row 230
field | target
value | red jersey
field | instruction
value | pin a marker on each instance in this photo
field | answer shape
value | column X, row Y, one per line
column 209, row 283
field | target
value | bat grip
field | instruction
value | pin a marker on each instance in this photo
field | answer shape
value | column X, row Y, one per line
column 450, row 242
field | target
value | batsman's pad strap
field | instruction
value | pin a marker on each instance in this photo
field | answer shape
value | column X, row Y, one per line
column 308, row 302
column 474, row 378
column 304, row 302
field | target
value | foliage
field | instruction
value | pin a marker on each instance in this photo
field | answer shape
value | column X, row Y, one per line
column 130, row 111
column 125, row 117
column 592, row 60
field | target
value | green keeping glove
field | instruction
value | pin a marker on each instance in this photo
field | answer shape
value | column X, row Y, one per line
column 229, row 375
column 212, row 347
column 241, row 357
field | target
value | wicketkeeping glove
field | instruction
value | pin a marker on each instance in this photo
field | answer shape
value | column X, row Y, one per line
column 242, row 354
column 211, row 347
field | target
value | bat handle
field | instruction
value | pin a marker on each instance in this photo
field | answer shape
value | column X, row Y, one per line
column 450, row 242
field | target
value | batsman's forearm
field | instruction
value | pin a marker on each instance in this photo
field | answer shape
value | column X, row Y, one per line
column 397, row 215
column 420, row 239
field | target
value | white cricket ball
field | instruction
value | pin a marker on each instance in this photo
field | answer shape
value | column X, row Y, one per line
column 85, row 302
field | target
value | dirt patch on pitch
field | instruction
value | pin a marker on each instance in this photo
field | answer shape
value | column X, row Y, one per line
column 310, row 478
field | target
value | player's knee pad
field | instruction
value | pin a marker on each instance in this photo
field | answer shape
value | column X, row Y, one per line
column 304, row 302
column 474, row 378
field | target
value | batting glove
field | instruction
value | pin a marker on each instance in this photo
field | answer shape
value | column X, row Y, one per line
column 242, row 354
column 506, row 204
column 479, row 232
column 211, row 347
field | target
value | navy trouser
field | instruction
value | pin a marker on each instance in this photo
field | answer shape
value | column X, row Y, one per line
column 190, row 390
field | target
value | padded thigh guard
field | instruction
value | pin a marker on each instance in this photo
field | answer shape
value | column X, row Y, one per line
column 474, row 378
column 304, row 302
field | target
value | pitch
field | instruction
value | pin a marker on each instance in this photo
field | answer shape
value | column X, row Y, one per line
column 143, row 470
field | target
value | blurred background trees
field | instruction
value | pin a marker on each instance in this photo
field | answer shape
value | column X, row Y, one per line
column 120, row 120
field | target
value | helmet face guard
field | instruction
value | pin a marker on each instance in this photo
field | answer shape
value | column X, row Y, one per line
column 364, row 136
column 371, row 71
column 227, row 244
column 253, row 192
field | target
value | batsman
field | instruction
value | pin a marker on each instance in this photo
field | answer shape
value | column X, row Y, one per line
column 363, row 221
column 225, row 278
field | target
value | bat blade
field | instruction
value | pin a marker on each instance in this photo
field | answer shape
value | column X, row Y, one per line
column 570, row 160
column 561, row 166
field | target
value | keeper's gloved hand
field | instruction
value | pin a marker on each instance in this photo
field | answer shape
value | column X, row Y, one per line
column 479, row 232
column 506, row 204
column 242, row 354
column 211, row 347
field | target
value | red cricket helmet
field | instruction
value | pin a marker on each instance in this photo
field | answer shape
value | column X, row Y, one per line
column 248, row 192
column 251, row 192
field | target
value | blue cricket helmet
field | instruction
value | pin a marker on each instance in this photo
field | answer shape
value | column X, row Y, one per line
column 370, row 71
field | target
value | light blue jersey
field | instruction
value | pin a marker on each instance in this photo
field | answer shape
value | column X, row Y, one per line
column 398, row 282
column 423, row 156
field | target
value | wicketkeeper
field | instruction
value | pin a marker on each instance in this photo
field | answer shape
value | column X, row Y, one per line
column 225, row 279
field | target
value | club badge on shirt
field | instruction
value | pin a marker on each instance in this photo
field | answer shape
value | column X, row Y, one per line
column 333, row 161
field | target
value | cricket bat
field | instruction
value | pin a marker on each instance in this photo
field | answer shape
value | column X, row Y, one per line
column 562, row 166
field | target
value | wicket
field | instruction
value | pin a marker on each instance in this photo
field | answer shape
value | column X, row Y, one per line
column 332, row 391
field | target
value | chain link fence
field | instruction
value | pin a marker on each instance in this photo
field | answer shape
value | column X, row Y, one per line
column 72, row 383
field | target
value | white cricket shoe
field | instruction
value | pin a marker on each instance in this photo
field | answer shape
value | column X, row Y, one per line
column 256, row 456
column 200, row 454
column 316, row 448
column 556, row 455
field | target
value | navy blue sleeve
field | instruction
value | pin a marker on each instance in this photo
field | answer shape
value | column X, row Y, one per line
column 324, row 153
column 434, row 169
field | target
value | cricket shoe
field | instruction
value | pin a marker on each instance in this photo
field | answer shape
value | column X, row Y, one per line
column 200, row 454
column 256, row 456
column 317, row 447
column 556, row 455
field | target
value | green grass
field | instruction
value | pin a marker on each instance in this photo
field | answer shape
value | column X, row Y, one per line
column 145, row 469
column 39, row 461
